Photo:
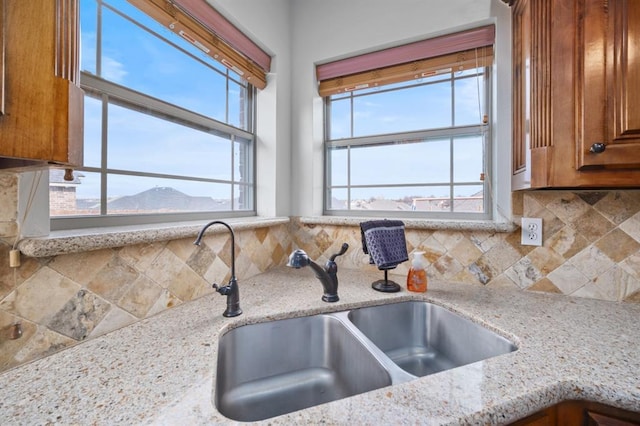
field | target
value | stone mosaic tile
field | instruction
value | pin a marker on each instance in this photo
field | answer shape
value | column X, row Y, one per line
column 524, row 273
column 591, row 249
column 481, row 271
column 79, row 316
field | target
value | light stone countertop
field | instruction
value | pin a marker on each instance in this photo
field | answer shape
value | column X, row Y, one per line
column 161, row 370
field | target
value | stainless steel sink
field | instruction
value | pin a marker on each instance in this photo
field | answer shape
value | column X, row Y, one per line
column 423, row 338
column 277, row 367
column 273, row 368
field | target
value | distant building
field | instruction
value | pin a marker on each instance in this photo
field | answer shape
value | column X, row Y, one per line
column 62, row 193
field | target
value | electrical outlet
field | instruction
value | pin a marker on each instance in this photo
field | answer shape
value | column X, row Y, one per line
column 531, row 231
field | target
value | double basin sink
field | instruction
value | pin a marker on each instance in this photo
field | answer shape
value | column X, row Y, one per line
column 273, row 368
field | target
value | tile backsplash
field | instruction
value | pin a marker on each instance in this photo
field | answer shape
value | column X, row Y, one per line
column 591, row 248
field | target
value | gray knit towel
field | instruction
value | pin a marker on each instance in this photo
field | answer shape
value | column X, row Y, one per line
column 384, row 242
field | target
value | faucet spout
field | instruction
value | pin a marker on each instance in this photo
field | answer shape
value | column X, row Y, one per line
column 328, row 276
column 231, row 290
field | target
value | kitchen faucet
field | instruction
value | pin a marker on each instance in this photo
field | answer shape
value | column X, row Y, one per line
column 230, row 290
column 328, row 275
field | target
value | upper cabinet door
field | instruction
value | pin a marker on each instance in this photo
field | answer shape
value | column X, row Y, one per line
column 608, row 127
column 41, row 121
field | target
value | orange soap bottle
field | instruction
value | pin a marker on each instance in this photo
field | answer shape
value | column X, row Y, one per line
column 417, row 276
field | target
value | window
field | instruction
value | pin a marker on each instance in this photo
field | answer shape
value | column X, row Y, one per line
column 411, row 147
column 169, row 131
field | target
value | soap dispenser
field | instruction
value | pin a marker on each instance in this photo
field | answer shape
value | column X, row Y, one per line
column 417, row 276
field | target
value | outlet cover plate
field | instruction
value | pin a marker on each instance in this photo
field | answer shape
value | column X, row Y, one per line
column 531, row 231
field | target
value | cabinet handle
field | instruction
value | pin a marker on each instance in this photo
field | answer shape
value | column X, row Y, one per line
column 597, row 148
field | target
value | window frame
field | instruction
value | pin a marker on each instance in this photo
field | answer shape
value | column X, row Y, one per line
column 485, row 129
column 115, row 94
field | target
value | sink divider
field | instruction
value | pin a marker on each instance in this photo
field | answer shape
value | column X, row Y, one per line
column 397, row 374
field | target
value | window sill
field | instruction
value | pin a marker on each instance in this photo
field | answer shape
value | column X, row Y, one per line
column 65, row 242
column 432, row 224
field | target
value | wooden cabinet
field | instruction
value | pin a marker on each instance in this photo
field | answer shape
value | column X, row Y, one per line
column 576, row 79
column 581, row 413
column 41, row 103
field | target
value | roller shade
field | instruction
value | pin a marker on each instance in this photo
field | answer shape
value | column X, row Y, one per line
column 458, row 51
column 203, row 26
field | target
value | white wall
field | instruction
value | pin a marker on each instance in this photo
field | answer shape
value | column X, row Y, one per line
column 267, row 22
column 324, row 30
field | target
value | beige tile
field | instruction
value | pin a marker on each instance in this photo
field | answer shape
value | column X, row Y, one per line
column 618, row 206
column 447, row 266
column 591, row 262
column 502, row 281
column 545, row 260
column 465, row 252
column 141, row 256
column 9, row 346
column 182, row 248
column 113, row 280
column 567, row 242
column 501, row 256
column 632, row 265
column 448, row 239
column 185, row 284
column 592, row 225
column 140, row 296
column 544, row 285
column 115, row 319
column 41, row 296
column 11, row 278
column 201, row 259
column 632, row 227
column 568, row 278
column 44, row 342
column 567, row 206
column 164, row 302
column 432, row 249
column 164, row 268
column 618, row 245
column 82, row 267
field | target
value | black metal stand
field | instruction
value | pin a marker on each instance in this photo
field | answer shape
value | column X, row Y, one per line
column 385, row 285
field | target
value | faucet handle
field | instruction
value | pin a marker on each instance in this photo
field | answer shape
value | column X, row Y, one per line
column 342, row 251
